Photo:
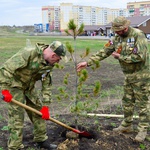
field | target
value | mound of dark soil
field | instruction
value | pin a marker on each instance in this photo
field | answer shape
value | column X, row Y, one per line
column 101, row 129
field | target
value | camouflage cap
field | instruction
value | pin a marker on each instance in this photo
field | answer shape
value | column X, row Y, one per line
column 58, row 48
column 120, row 23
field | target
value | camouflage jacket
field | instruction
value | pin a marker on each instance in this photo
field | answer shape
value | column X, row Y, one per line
column 25, row 68
column 134, row 54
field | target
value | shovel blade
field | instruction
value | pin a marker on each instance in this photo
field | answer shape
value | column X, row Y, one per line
column 83, row 133
column 86, row 134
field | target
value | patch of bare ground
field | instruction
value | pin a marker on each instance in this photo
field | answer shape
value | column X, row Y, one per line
column 101, row 128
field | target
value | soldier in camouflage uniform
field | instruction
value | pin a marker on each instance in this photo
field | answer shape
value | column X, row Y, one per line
column 19, row 75
column 130, row 47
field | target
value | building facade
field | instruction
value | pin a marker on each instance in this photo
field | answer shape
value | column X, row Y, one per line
column 138, row 8
column 51, row 16
column 58, row 16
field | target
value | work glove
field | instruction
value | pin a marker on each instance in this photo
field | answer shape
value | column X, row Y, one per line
column 45, row 113
column 6, row 96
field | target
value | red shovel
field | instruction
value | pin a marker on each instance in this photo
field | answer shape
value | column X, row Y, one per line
column 82, row 133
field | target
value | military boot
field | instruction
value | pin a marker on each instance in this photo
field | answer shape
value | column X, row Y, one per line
column 140, row 137
column 121, row 128
column 148, row 138
column 46, row 145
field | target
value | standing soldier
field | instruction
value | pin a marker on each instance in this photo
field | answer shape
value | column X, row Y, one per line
column 19, row 75
column 130, row 48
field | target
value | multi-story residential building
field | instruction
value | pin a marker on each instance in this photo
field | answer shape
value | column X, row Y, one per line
column 51, row 18
column 66, row 13
column 57, row 17
column 141, row 8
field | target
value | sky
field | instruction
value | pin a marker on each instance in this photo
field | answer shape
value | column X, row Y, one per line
column 29, row 12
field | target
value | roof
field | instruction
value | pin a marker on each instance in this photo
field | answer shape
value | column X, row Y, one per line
column 136, row 21
column 93, row 27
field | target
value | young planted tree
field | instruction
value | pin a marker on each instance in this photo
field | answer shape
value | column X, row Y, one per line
column 81, row 105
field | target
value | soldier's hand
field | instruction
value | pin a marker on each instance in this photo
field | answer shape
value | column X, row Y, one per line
column 81, row 66
column 45, row 113
column 115, row 55
column 6, row 96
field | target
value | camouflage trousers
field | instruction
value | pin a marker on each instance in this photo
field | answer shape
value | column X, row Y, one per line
column 16, row 120
column 136, row 95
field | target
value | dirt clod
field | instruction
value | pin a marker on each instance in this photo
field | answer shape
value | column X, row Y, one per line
column 72, row 135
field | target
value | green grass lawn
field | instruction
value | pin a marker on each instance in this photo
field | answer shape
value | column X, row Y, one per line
column 9, row 45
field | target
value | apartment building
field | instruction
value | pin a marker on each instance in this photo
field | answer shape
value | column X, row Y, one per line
column 51, row 18
column 57, row 17
column 141, row 8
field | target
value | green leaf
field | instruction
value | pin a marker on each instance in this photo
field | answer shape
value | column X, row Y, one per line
column 97, row 88
column 5, row 128
column 81, row 29
column 72, row 25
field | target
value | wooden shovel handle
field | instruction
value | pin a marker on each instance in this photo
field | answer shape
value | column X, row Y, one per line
column 39, row 113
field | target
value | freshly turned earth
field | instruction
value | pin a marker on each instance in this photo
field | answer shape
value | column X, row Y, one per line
column 100, row 127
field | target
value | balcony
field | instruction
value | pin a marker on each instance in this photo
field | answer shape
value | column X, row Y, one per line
column 131, row 10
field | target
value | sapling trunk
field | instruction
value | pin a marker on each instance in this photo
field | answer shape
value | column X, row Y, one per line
column 76, row 84
column 75, row 32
